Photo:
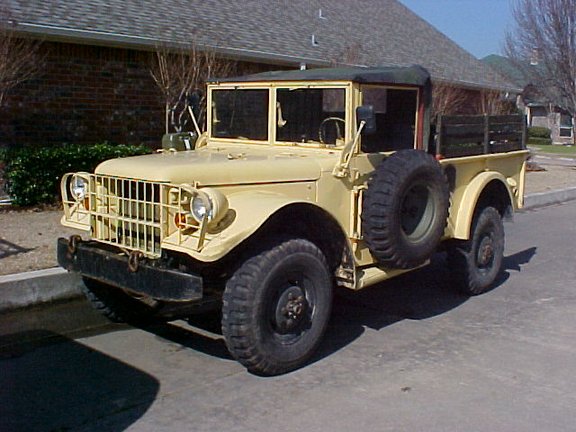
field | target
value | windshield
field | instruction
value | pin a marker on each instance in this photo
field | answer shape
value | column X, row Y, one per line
column 302, row 115
column 241, row 114
column 311, row 115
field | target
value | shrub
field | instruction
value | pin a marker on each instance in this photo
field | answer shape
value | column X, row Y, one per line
column 3, row 154
column 33, row 174
column 538, row 132
column 539, row 141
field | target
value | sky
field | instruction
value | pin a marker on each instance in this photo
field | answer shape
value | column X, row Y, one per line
column 478, row 26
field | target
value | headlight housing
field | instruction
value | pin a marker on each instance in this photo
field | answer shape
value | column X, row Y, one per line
column 208, row 205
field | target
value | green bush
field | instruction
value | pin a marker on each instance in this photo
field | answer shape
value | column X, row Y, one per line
column 539, row 132
column 3, row 154
column 539, row 141
column 33, row 174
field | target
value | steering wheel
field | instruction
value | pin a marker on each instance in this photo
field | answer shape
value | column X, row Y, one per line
column 323, row 124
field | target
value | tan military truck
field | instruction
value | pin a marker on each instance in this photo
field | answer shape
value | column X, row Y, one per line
column 304, row 181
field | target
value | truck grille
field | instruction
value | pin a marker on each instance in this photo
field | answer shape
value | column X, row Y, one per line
column 128, row 213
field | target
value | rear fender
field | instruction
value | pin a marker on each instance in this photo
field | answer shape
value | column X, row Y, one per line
column 463, row 214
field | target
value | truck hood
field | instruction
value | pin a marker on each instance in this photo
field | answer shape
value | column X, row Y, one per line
column 225, row 165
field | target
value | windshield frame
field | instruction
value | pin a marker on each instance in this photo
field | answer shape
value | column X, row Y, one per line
column 272, row 88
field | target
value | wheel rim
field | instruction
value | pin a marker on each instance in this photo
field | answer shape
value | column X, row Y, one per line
column 485, row 253
column 290, row 311
column 417, row 212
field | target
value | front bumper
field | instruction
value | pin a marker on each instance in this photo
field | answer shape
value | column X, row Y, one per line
column 92, row 261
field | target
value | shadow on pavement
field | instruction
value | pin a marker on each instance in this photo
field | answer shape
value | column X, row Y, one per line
column 417, row 295
column 203, row 334
column 66, row 385
column 516, row 261
column 8, row 249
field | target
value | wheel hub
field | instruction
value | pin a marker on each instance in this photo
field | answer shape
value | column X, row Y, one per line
column 485, row 252
column 291, row 308
column 417, row 212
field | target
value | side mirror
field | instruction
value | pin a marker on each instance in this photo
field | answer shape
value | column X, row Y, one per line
column 365, row 113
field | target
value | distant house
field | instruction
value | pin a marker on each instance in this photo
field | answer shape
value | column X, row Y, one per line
column 538, row 112
column 96, row 84
column 552, row 117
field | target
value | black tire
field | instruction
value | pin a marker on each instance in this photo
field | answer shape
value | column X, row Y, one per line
column 276, row 307
column 116, row 305
column 475, row 264
column 405, row 209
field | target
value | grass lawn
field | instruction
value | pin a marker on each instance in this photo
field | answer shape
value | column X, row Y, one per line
column 563, row 150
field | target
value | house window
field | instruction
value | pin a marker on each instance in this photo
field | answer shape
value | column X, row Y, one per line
column 565, row 132
column 565, row 126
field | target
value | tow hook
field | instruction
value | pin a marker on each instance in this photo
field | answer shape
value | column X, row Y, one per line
column 73, row 242
column 134, row 260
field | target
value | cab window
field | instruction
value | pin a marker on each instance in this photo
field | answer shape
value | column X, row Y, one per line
column 395, row 111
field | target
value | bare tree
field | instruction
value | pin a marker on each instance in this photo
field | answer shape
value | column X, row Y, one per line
column 181, row 74
column 20, row 58
column 493, row 102
column 544, row 42
column 447, row 99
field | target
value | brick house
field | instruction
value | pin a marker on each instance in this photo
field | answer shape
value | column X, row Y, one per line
column 538, row 112
column 96, row 83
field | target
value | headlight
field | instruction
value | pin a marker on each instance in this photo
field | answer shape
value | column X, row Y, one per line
column 79, row 187
column 208, row 204
column 201, row 207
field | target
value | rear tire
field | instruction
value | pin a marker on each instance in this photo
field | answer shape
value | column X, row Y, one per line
column 276, row 307
column 476, row 263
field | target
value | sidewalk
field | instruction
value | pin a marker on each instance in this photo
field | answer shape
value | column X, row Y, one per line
column 28, row 238
column 554, row 177
column 555, row 184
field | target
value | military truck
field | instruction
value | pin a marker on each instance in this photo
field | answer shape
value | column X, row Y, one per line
column 304, row 182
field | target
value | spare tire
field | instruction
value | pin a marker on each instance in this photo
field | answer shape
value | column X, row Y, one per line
column 405, row 209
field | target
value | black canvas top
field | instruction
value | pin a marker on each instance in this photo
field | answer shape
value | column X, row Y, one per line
column 412, row 75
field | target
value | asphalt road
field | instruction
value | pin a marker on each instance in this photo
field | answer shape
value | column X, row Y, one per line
column 410, row 355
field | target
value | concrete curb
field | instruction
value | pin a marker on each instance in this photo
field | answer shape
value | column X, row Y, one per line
column 36, row 287
column 549, row 198
column 32, row 288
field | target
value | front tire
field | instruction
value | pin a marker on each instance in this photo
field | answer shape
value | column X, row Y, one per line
column 276, row 307
column 116, row 305
column 476, row 263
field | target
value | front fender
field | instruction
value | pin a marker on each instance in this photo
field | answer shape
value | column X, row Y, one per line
column 462, row 213
column 251, row 210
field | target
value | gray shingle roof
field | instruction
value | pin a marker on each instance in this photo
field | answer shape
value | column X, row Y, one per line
column 361, row 32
